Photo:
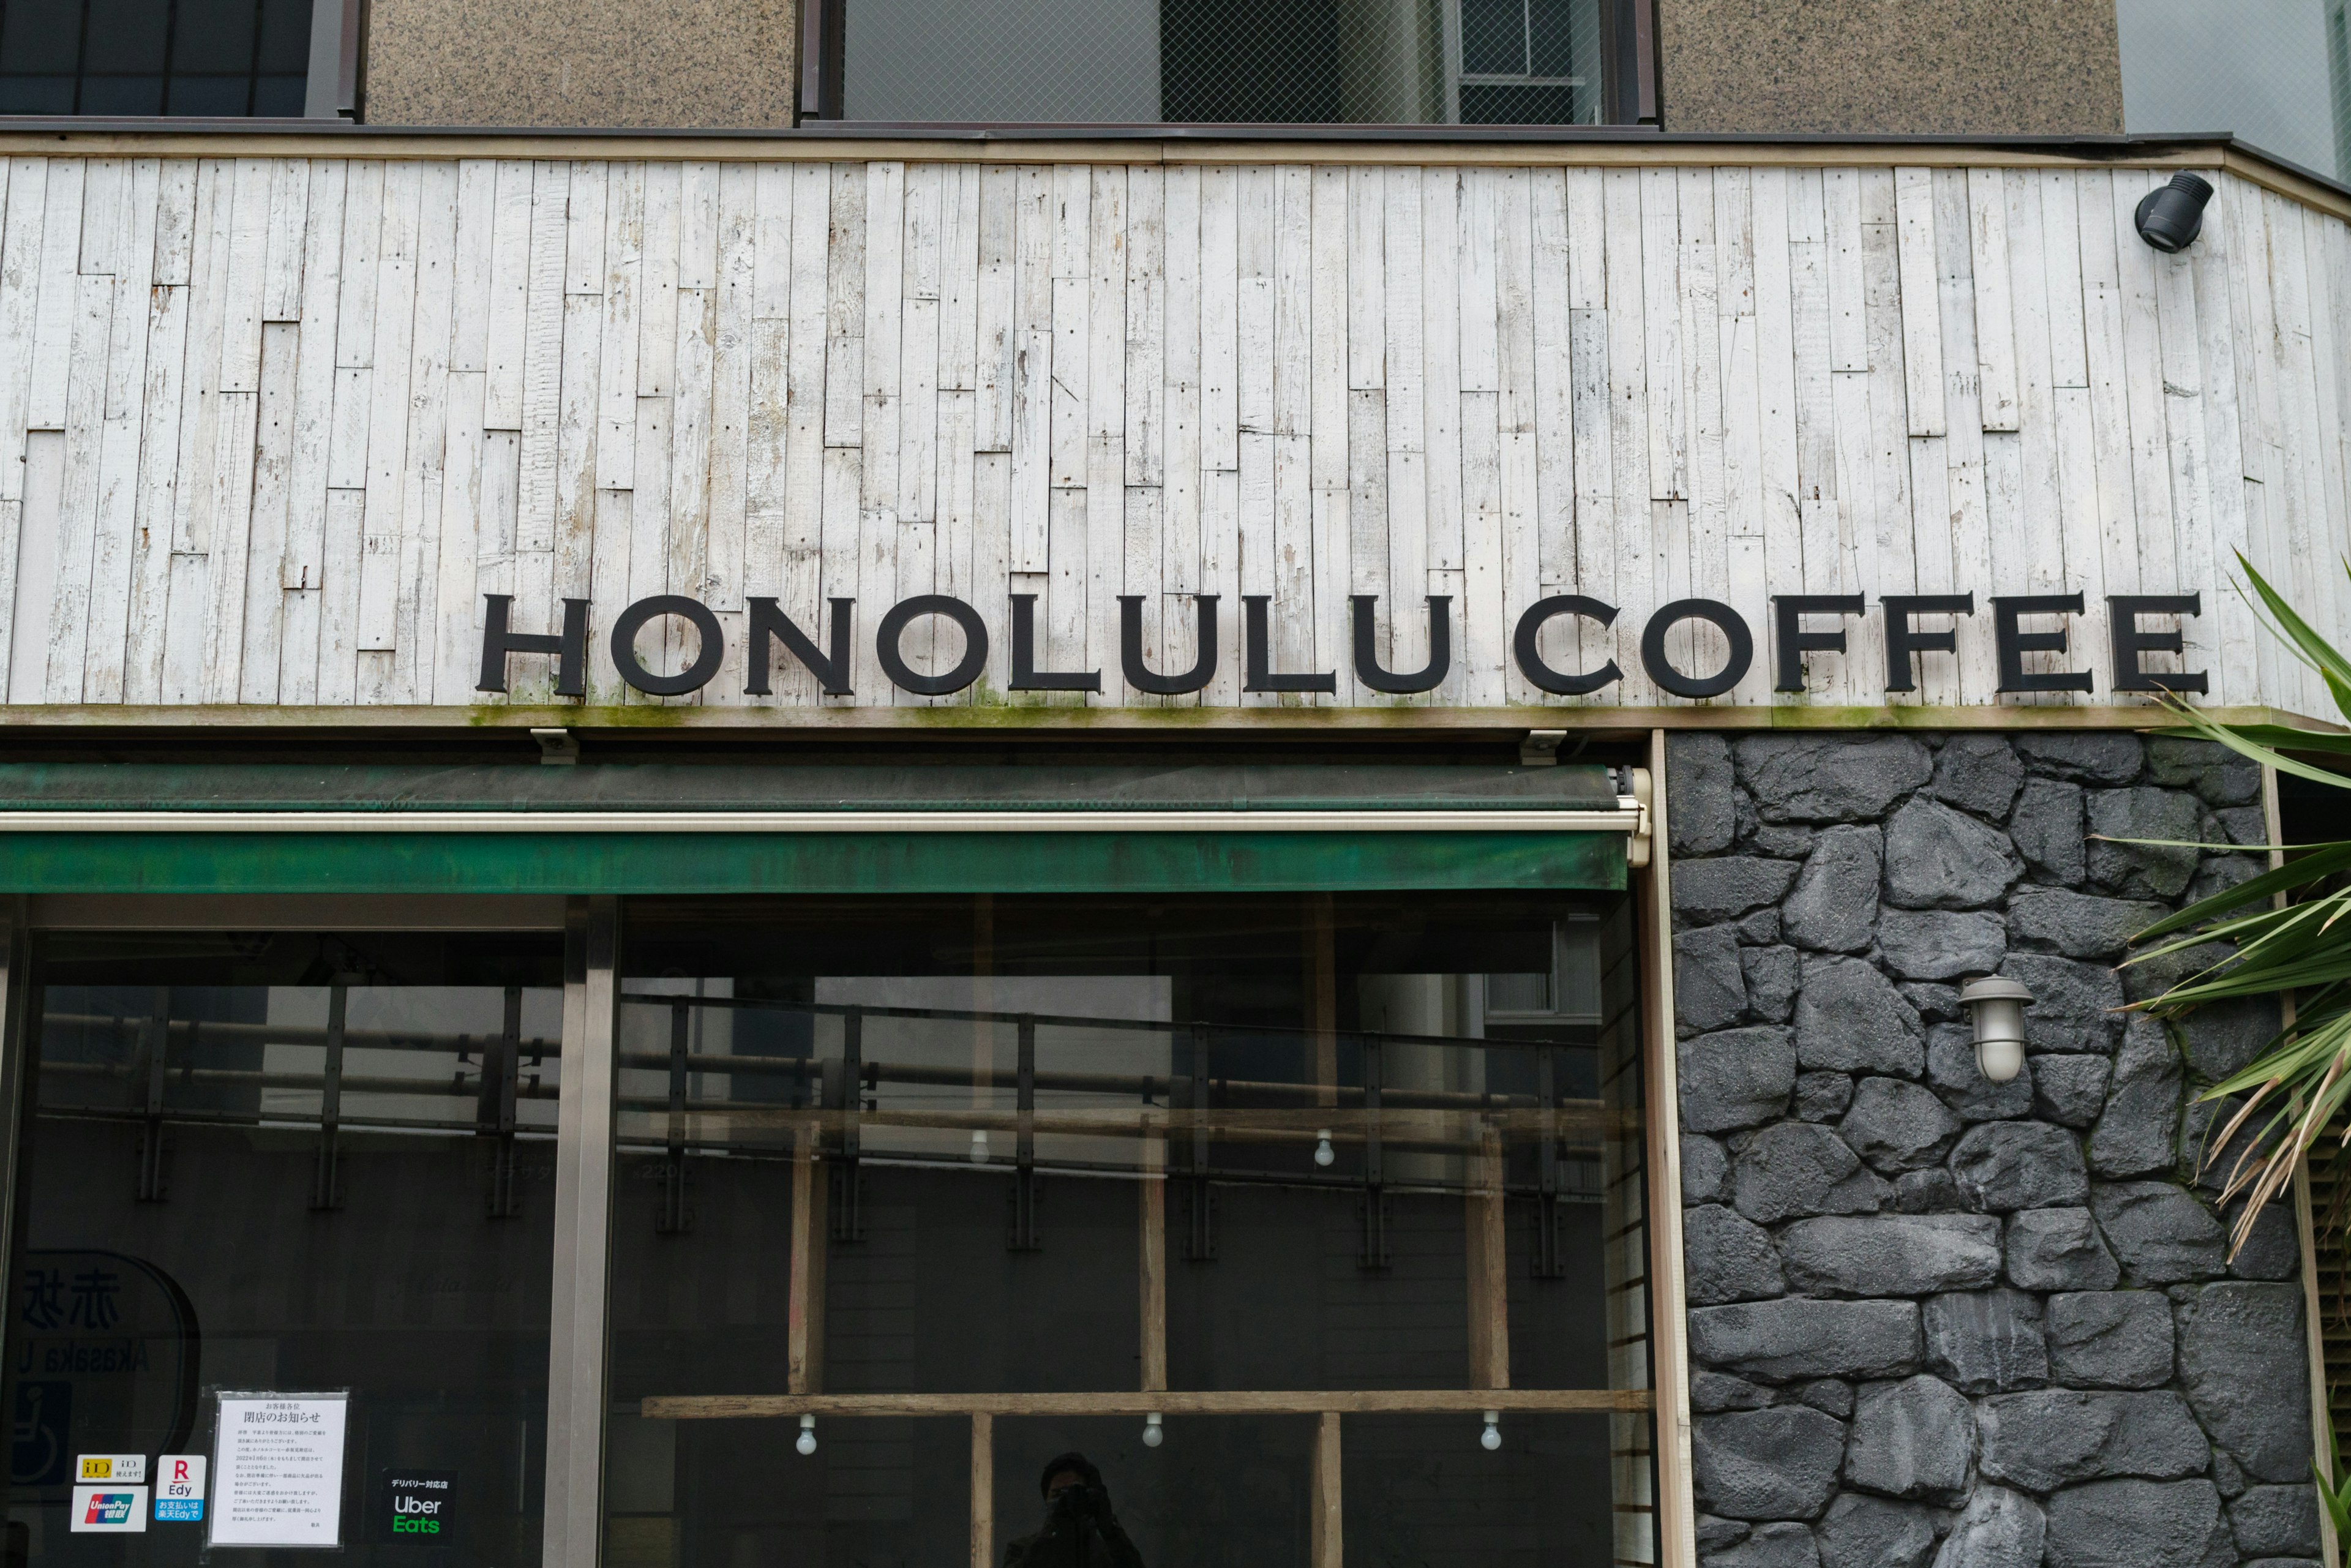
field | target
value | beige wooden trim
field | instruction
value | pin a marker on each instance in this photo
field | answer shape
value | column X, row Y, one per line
column 983, row 1490
column 1489, row 1268
column 804, row 1316
column 1151, row 1193
column 1668, row 1309
column 1079, row 149
column 994, row 723
column 1327, row 1548
column 1172, row 1402
column 2321, row 1426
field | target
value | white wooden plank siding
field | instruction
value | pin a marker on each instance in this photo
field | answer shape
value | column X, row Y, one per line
column 271, row 428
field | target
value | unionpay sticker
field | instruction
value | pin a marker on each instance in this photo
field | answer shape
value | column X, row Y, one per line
column 105, row 1508
column 180, row 1488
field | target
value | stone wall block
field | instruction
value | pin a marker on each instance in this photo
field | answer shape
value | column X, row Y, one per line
column 1911, row 1439
column 2219, row 776
column 1892, row 1254
column 2085, row 757
column 2245, row 1367
column 1829, row 778
column 2075, row 1006
column 1709, row 892
column 2070, row 1090
column 1942, row 943
column 2058, row 1249
column 1897, row 1125
column 1727, row 1258
column 1709, row 985
column 1775, row 1464
column 1850, row 1019
column 1706, row 1165
column 1936, row 857
column 1792, row 1169
column 2274, row 1521
column 2050, row 1438
column 2222, row 1038
column 2132, row 1524
column 2143, row 870
column 1735, row 1078
column 1774, row 979
column 2159, row 1233
column 1832, row 908
column 2079, row 925
column 1978, row 773
column 1863, row 1532
column 1780, row 1545
column 2109, row 1339
column 1793, row 1338
column 2138, row 1134
column 1821, row 1096
column 2000, row 1529
column 2047, row 830
column 1986, row 1342
column 2005, row 1165
column 1700, row 814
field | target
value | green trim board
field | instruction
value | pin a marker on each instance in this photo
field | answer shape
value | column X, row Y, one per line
column 554, row 862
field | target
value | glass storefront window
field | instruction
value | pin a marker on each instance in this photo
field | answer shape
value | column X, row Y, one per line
column 1260, row 1203
column 290, row 1164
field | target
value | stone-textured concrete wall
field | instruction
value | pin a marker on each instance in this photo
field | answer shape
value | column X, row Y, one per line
column 1983, row 67
column 688, row 64
column 1934, row 1318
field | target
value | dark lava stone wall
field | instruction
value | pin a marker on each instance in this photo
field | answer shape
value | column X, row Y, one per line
column 1931, row 1318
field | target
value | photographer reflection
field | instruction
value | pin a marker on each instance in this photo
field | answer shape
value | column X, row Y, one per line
column 1079, row 1531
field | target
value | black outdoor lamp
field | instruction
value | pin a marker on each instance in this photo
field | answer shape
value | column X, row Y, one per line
column 2169, row 217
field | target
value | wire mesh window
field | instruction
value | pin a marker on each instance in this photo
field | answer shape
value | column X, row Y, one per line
column 153, row 56
column 1393, row 62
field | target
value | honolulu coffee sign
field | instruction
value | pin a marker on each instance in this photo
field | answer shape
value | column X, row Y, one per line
column 1801, row 623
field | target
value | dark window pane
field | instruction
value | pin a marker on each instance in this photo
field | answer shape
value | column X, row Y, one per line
column 41, row 38
column 280, row 95
column 36, row 95
column 1516, row 105
column 1493, row 38
column 126, row 38
column 1243, row 61
column 1551, row 25
column 208, row 95
column 284, row 38
column 214, row 37
column 123, row 95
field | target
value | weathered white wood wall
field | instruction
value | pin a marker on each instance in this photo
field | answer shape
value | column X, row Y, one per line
column 282, row 422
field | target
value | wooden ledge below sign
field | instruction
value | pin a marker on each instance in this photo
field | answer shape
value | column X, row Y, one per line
column 1166, row 1402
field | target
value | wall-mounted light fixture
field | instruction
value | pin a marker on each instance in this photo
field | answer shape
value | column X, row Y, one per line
column 1323, row 1153
column 1491, row 1437
column 1996, row 1006
column 1155, row 1430
column 806, row 1441
column 2169, row 217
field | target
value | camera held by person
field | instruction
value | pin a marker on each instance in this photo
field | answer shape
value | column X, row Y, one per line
column 1080, row 1530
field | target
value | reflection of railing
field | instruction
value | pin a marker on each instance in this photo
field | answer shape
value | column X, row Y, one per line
column 499, row 1084
column 1189, row 1103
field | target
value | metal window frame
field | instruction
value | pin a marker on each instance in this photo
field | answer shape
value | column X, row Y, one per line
column 579, row 1312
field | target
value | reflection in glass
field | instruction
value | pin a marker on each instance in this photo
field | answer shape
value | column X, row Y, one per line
column 940, row 1188
column 293, row 1162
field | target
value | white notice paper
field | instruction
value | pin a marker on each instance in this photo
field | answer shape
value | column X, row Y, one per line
column 278, row 1470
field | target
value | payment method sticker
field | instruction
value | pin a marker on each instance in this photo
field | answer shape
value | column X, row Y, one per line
column 180, row 1488
column 109, row 1508
column 129, row 1470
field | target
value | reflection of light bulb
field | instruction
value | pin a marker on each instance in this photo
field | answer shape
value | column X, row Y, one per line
column 1491, row 1438
column 806, row 1442
column 1323, row 1153
column 979, row 1145
column 1153, row 1434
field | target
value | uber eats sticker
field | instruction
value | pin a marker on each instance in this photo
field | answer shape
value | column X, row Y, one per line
column 414, row 1506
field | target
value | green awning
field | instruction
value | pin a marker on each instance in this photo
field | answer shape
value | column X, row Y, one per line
column 729, row 828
